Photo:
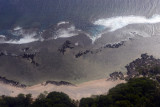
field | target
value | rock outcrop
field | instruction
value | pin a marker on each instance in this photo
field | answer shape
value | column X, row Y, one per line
column 12, row 83
column 58, row 83
column 30, row 57
column 116, row 76
column 115, row 45
column 66, row 45
column 25, row 55
column 82, row 53
column 95, row 51
column 146, row 65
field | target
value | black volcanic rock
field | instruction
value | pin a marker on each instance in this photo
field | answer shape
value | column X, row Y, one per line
column 146, row 65
column 11, row 82
column 82, row 53
column 66, row 45
column 59, row 83
column 28, row 56
column 116, row 75
column 115, row 45
column 95, row 51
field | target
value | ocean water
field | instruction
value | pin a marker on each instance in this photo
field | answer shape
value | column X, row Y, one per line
column 103, row 21
column 94, row 17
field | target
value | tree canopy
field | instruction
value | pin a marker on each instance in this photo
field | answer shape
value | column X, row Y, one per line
column 140, row 92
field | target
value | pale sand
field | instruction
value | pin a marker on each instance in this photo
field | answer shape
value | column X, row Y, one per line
column 83, row 90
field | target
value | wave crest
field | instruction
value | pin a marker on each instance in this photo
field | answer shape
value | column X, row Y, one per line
column 119, row 22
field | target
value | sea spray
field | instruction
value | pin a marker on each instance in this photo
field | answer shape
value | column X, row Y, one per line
column 115, row 23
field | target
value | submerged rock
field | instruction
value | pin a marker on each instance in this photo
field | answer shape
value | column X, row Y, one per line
column 82, row 53
column 115, row 45
column 58, row 83
column 146, row 65
column 12, row 83
column 66, row 45
column 116, row 76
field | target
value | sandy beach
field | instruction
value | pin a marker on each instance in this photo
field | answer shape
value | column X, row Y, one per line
column 77, row 92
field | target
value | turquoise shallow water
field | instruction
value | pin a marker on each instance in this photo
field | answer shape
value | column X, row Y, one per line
column 95, row 30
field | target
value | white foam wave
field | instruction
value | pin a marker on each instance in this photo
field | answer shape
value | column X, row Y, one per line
column 62, row 23
column 2, row 36
column 66, row 32
column 27, row 39
column 17, row 28
column 119, row 22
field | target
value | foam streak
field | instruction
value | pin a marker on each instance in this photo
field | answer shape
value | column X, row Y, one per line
column 119, row 22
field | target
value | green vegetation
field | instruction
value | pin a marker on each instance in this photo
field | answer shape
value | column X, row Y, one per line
column 53, row 99
column 140, row 92
column 20, row 101
column 137, row 92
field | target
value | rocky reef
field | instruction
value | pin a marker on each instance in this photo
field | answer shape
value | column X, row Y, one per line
column 66, row 45
column 25, row 55
column 145, row 66
column 115, row 45
column 116, row 76
column 95, row 51
column 58, row 83
column 82, row 53
column 19, row 85
column 12, row 83
column 30, row 57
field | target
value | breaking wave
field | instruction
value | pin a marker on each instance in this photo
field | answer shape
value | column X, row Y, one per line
column 26, row 39
column 17, row 28
column 119, row 22
column 66, row 32
column 62, row 22
column 100, row 27
column 19, row 36
column 2, row 36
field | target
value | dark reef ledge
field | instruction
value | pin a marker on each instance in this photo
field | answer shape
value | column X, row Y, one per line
column 146, row 66
column 19, row 85
column 11, row 82
column 60, row 83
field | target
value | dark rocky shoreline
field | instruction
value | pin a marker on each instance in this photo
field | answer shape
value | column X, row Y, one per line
column 12, row 83
column 116, row 75
column 30, row 56
column 146, row 66
column 143, row 66
column 66, row 45
column 19, row 85
column 115, row 45
column 60, row 83
column 95, row 51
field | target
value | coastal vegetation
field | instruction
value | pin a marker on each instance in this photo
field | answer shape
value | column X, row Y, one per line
column 53, row 99
column 137, row 92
